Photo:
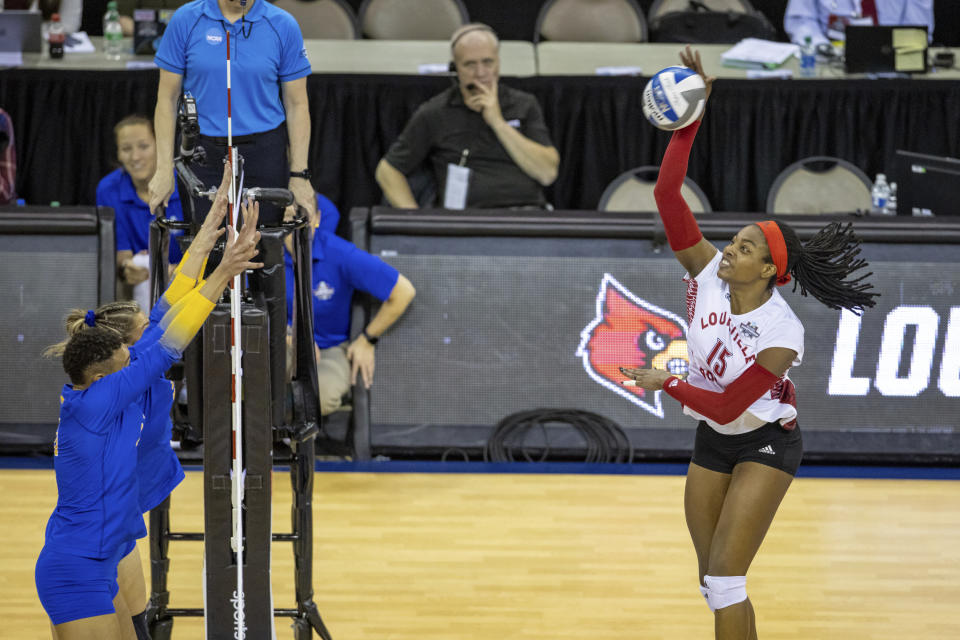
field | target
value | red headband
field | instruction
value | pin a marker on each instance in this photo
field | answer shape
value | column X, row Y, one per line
column 778, row 249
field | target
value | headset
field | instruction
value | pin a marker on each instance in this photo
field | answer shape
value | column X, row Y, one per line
column 479, row 26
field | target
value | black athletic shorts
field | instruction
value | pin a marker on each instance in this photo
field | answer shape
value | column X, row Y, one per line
column 771, row 445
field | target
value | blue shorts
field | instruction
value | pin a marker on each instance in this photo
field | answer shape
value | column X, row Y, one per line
column 71, row 587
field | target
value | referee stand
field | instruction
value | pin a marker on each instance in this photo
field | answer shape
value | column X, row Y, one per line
column 273, row 435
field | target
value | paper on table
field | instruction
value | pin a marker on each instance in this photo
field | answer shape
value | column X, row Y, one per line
column 433, row 67
column 909, row 46
column 11, row 58
column 78, row 42
column 767, row 74
column 619, row 71
column 758, row 54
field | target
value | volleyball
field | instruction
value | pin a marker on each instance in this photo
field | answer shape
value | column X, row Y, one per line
column 674, row 98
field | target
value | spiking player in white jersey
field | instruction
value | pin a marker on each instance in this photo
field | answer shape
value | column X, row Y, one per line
column 743, row 338
column 723, row 345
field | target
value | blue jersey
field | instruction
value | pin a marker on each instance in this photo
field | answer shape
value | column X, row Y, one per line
column 266, row 49
column 133, row 215
column 95, row 459
column 158, row 468
column 329, row 214
column 339, row 268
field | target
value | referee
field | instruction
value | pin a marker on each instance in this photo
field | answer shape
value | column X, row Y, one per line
column 270, row 114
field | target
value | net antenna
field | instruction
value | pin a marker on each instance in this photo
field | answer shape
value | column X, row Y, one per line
column 236, row 378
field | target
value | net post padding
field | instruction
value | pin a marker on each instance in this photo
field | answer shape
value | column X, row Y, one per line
column 219, row 565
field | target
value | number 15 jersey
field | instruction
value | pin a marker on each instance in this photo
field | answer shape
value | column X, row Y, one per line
column 722, row 345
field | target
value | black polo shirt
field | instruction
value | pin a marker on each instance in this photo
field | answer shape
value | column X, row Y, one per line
column 443, row 126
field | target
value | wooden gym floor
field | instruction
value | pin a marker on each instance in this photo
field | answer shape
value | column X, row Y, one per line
column 433, row 556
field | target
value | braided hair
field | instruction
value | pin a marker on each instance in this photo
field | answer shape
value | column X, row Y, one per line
column 122, row 317
column 821, row 267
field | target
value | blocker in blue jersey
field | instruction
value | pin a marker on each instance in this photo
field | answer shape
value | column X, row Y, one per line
column 101, row 421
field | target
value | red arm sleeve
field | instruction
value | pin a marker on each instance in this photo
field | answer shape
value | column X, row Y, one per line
column 726, row 406
column 678, row 221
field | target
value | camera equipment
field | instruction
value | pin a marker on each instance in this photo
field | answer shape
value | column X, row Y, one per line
column 189, row 130
column 279, row 197
column 944, row 59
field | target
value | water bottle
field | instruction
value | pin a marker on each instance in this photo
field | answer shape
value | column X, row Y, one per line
column 56, row 37
column 890, row 208
column 112, row 32
column 808, row 58
column 880, row 193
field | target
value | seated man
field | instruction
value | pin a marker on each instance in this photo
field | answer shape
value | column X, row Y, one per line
column 495, row 132
column 339, row 268
column 825, row 20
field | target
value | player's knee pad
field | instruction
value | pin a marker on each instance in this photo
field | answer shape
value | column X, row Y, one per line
column 724, row 591
column 706, row 596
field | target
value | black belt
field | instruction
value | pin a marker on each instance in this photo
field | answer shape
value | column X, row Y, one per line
column 222, row 140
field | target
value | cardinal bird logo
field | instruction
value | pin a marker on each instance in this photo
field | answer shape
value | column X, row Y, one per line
column 630, row 332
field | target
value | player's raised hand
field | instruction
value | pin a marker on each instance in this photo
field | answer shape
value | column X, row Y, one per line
column 211, row 229
column 242, row 247
column 691, row 58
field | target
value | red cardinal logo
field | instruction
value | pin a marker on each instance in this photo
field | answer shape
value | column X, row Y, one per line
column 630, row 332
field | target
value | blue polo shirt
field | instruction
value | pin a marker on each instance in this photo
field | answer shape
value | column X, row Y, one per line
column 266, row 49
column 339, row 268
column 133, row 215
column 329, row 214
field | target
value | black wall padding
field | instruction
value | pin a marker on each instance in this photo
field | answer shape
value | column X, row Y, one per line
column 52, row 260
column 220, row 563
column 497, row 291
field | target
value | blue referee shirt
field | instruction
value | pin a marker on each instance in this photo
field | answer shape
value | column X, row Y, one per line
column 268, row 51
column 133, row 215
column 339, row 268
column 95, row 459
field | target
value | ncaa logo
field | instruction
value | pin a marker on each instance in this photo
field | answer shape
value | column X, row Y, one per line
column 629, row 331
column 214, row 36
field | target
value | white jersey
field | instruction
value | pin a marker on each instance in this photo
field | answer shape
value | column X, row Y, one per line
column 722, row 346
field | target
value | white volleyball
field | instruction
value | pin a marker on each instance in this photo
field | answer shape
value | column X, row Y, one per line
column 674, row 98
